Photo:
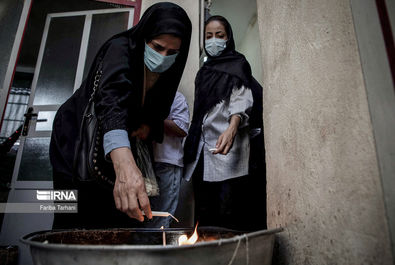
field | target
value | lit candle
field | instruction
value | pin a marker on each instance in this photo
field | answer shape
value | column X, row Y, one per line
column 163, row 235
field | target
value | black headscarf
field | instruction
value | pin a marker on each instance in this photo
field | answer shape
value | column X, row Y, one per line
column 160, row 18
column 118, row 101
column 214, row 83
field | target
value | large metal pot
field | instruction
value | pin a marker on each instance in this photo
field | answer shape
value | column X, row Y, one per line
column 145, row 246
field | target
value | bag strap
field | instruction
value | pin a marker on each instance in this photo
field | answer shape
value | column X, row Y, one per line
column 86, row 115
column 96, row 81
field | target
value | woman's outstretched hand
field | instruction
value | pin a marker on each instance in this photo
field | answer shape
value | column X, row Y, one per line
column 225, row 140
column 129, row 192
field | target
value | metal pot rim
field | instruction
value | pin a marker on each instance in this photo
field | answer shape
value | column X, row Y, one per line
column 27, row 240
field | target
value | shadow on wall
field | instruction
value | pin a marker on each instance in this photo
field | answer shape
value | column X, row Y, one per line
column 281, row 250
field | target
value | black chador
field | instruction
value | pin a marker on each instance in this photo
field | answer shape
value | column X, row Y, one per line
column 119, row 105
column 214, row 83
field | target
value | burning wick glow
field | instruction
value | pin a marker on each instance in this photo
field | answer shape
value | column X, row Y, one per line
column 184, row 240
column 163, row 235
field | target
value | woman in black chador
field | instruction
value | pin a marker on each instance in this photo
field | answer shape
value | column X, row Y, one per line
column 141, row 70
column 224, row 152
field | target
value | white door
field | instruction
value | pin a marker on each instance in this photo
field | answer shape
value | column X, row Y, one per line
column 69, row 44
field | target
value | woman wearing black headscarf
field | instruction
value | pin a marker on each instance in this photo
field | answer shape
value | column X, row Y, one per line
column 227, row 118
column 141, row 70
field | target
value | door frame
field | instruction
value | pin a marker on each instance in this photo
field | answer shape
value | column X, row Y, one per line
column 16, row 225
column 23, row 184
column 27, row 6
column 9, row 76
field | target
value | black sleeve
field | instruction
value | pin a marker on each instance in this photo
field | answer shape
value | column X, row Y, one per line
column 118, row 96
column 155, row 122
column 157, row 107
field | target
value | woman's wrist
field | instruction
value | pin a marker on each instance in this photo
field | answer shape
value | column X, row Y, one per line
column 122, row 156
column 234, row 122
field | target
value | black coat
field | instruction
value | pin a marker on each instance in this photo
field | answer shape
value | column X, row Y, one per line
column 118, row 103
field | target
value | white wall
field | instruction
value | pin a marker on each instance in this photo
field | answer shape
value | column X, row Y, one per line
column 380, row 92
column 243, row 18
column 250, row 46
column 323, row 178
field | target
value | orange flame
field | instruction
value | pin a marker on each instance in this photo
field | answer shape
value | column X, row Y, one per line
column 184, row 240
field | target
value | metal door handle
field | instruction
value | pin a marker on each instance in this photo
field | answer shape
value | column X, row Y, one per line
column 28, row 116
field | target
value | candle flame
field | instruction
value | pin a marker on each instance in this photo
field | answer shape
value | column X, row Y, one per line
column 184, row 240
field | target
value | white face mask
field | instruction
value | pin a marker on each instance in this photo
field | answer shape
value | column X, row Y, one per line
column 215, row 46
column 157, row 62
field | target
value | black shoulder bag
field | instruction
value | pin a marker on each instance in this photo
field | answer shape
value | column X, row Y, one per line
column 89, row 159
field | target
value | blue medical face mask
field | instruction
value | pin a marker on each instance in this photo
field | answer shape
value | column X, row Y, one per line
column 157, row 62
column 214, row 46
